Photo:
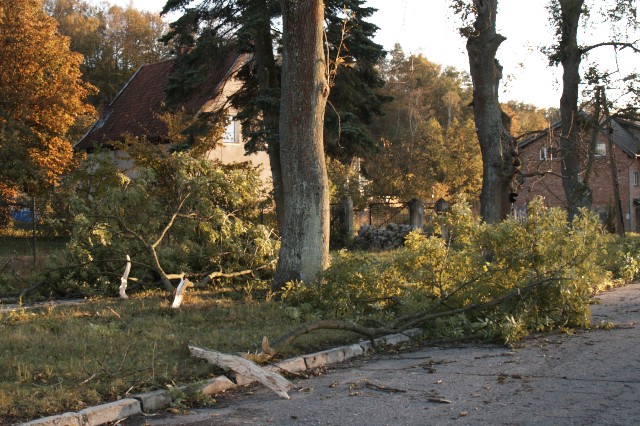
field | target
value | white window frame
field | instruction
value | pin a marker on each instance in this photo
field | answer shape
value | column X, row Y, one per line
column 230, row 134
column 601, row 149
column 636, row 178
column 543, row 154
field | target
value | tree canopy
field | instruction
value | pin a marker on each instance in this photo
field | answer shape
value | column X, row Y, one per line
column 41, row 95
column 429, row 146
column 113, row 40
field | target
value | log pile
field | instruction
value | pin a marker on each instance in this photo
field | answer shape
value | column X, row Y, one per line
column 388, row 237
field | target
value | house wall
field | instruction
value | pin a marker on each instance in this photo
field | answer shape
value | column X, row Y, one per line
column 226, row 152
column 549, row 185
column 234, row 153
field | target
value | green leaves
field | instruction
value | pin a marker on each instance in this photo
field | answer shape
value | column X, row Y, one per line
column 200, row 215
column 496, row 281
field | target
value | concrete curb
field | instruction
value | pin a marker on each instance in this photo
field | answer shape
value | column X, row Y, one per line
column 159, row 399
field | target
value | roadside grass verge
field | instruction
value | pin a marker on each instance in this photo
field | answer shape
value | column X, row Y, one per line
column 66, row 358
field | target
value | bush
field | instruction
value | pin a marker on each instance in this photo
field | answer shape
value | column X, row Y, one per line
column 194, row 215
column 501, row 281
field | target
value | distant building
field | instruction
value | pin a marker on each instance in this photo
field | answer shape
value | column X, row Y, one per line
column 136, row 109
column 542, row 154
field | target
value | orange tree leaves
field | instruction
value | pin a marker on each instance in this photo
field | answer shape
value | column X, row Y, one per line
column 41, row 96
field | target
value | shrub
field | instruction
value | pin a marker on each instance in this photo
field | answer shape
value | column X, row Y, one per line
column 194, row 215
column 500, row 281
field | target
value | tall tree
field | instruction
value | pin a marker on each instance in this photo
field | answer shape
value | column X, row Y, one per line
column 430, row 147
column 305, row 233
column 566, row 16
column 41, row 95
column 114, row 41
column 355, row 98
column 247, row 24
column 498, row 147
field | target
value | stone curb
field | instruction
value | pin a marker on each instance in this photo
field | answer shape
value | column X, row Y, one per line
column 159, row 399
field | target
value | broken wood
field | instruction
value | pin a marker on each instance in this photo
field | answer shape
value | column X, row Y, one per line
column 285, row 340
column 123, row 281
column 213, row 275
column 245, row 368
column 184, row 283
column 403, row 323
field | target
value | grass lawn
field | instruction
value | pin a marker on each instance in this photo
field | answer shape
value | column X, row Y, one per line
column 66, row 358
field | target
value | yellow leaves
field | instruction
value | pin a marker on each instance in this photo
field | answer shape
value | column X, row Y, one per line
column 41, row 92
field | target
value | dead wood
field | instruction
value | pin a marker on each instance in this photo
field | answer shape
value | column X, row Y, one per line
column 182, row 287
column 404, row 323
column 213, row 275
column 123, row 281
column 287, row 339
column 246, row 368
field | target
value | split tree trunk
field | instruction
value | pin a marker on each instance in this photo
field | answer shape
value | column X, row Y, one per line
column 576, row 189
column 498, row 147
column 305, row 231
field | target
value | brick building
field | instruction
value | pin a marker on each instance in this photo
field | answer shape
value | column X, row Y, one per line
column 541, row 153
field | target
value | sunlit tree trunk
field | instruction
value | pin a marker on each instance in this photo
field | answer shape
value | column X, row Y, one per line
column 496, row 143
column 576, row 190
column 305, row 231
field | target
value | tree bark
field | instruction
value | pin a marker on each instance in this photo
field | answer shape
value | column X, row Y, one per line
column 304, row 249
column 497, row 145
column 577, row 191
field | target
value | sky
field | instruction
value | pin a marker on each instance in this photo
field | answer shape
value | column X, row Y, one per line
column 429, row 28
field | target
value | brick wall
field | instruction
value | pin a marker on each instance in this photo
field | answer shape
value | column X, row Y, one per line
column 549, row 185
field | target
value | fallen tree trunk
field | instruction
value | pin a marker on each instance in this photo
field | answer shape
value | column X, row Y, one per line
column 246, row 368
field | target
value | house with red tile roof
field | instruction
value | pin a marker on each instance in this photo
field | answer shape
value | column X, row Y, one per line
column 137, row 108
column 542, row 164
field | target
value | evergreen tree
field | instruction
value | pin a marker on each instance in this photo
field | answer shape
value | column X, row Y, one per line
column 353, row 56
column 208, row 30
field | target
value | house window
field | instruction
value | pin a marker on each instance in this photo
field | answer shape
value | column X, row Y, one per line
column 601, row 150
column 636, row 178
column 543, row 154
column 230, row 134
column 549, row 153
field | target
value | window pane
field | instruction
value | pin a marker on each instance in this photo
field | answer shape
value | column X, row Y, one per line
column 229, row 135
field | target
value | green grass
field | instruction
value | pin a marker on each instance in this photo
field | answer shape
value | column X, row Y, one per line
column 66, row 358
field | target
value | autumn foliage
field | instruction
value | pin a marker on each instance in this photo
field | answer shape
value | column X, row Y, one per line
column 41, row 95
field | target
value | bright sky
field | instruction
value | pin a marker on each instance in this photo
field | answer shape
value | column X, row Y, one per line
column 428, row 27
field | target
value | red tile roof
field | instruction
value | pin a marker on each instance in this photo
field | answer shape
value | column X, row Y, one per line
column 136, row 108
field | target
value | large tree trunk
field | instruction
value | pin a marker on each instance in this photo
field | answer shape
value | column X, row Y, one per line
column 305, row 232
column 496, row 144
column 268, row 84
column 576, row 188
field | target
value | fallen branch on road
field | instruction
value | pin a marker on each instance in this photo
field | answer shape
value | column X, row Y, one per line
column 246, row 368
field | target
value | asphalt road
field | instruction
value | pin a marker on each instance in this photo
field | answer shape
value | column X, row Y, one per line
column 588, row 378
